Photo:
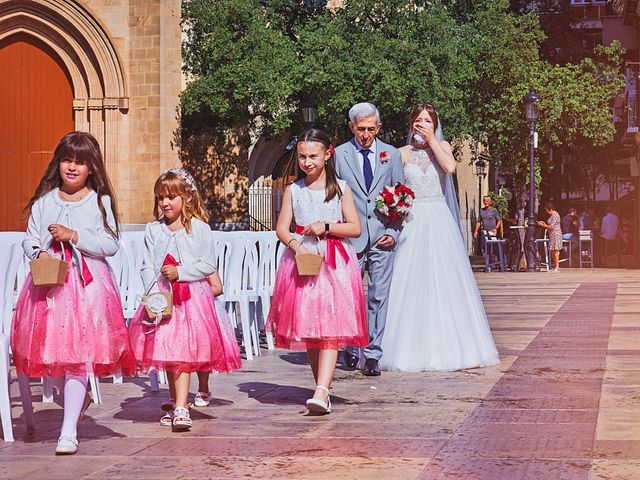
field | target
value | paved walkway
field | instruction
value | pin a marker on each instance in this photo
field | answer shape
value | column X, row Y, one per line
column 563, row 404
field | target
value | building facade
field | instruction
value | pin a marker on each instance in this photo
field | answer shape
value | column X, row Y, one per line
column 109, row 67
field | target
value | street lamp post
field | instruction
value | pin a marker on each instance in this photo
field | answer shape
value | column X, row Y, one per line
column 480, row 172
column 531, row 114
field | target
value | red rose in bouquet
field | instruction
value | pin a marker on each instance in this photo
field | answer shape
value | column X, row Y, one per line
column 395, row 201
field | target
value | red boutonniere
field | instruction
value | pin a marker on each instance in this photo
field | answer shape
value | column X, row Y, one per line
column 384, row 156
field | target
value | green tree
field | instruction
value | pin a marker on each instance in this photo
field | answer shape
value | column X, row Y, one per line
column 253, row 63
column 574, row 111
column 393, row 53
column 242, row 61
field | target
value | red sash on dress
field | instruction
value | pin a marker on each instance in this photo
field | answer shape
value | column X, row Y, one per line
column 68, row 257
column 333, row 244
column 181, row 291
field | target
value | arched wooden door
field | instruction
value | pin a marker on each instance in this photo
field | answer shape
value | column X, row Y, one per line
column 35, row 111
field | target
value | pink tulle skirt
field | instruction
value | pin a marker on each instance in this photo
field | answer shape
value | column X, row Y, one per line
column 194, row 339
column 72, row 329
column 326, row 311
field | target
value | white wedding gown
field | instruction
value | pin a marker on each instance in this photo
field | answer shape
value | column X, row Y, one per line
column 435, row 320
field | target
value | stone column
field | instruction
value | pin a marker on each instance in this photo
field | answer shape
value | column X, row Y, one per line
column 80, row 114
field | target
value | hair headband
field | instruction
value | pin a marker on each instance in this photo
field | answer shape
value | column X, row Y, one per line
column 184, row 176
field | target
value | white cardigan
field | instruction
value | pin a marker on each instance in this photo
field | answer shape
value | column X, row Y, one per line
column 84, row 216
column 194, row 252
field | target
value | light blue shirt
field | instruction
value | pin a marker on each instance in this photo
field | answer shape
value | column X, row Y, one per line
column 372, row 154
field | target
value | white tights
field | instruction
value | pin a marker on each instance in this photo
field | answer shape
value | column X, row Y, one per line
column 75, row 391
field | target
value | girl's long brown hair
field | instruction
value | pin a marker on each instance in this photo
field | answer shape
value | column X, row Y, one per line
column 293, row 169
column 171, row 183
column 84, row 148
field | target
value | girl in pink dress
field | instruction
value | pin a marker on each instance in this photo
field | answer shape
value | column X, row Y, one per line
column 326, row 312
column 179, row 257
column 77, row 328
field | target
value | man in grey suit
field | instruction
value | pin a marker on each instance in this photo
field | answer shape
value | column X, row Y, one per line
column 368, row 165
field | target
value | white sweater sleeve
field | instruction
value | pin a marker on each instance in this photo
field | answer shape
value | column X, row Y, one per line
column 204, row 254
column 148, row 272
column 95, row 240
column 32, row 244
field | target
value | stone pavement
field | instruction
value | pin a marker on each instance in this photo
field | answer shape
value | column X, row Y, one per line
column 563, row 404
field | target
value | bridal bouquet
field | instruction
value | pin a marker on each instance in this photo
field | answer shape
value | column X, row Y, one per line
column 395, row 201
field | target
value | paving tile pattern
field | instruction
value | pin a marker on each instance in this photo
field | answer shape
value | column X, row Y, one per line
column 539, row 420
column 564, row 403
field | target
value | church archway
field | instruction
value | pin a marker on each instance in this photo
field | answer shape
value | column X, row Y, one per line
column 67, row 33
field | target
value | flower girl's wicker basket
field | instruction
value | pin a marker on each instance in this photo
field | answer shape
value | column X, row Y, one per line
column 308, row 264
column 48, row 271
column 157, row 302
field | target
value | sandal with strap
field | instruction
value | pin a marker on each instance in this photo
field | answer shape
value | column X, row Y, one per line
column 166, row 420
column 202, row 399
column 317, row 406
column 181, row 420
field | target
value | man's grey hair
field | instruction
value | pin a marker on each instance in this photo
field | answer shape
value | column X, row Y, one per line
column 363, row 110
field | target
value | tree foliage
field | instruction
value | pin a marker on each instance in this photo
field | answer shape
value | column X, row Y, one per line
column 254, row 63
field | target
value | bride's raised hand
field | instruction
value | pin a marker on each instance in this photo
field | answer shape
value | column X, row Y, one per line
column 426, row 130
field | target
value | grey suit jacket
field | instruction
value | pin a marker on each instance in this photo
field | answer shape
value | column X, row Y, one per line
column 387, row 172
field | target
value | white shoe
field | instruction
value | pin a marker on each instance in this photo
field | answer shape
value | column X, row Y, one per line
column 66, row 446
column 166, row 420
column 315, row 405
column 202, row 399
column 181, row 420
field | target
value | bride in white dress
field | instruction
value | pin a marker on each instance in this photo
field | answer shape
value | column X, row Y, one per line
column 436, row 320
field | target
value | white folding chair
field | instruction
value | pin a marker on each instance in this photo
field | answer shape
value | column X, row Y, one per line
column 267, row 266
column 7, row 240
column 241, row 289
column 11, row 265
column 120, row 266
column 15, row 274
column 223, row 248
column 134, row 246
column 5, row 397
